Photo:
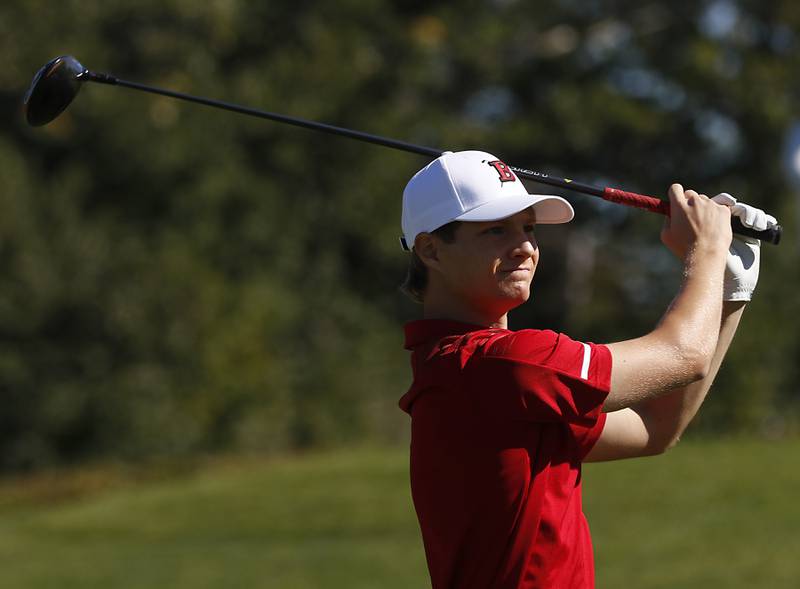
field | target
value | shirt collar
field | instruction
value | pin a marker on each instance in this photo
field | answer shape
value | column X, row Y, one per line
column 425, row 330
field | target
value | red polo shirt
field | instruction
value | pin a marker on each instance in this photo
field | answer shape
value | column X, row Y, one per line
column 500, row 422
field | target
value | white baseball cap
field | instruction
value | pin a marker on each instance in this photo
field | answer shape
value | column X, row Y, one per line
column 471, row 186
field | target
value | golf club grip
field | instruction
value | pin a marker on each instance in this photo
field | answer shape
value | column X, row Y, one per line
column 656, row 205
column 641, row 201
column 771, row 235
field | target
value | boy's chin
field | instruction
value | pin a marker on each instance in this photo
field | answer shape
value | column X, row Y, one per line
column 517, row 297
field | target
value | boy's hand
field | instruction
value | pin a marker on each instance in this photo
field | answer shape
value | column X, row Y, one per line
column 742, row 266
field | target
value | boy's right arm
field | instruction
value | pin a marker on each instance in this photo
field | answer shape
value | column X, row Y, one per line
column 680, row 349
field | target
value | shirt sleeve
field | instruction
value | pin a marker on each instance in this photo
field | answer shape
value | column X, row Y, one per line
column 544, row 376
column 586, row 437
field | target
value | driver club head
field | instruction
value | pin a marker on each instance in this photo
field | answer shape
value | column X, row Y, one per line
column 53, row 87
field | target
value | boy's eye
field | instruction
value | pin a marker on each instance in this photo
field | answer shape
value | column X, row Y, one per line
column 496, row 230
column 529, row 228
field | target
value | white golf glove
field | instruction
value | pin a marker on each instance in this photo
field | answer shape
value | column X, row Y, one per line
column 741, row 269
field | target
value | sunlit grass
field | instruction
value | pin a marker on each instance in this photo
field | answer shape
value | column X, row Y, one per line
column 711, row 514
column 707, row 514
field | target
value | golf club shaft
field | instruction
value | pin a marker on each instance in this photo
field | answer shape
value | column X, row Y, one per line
column 649, row 203
column 298, row 122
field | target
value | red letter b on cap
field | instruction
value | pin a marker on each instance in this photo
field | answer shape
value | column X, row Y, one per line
column 506, row 175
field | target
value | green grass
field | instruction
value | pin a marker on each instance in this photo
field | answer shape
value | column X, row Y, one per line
column 719, row 514
column 713, row 514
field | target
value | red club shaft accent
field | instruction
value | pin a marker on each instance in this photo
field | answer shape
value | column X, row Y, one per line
column 641, row 201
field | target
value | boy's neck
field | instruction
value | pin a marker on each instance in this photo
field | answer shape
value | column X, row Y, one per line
column 433, row 309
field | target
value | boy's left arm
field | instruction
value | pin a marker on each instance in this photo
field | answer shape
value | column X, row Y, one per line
column 654, row 426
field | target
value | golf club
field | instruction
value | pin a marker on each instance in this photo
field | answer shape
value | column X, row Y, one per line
column 57, row 83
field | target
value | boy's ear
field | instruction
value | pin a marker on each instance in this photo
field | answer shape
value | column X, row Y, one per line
column 427, row 248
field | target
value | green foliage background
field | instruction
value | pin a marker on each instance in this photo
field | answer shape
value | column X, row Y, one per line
column 179, row 280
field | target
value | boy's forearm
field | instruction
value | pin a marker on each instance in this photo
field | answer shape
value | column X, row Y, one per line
column 668, row 416
column 679, row 351
column 693, row 319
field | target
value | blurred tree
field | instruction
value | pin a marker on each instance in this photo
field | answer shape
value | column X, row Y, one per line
column 178, row 279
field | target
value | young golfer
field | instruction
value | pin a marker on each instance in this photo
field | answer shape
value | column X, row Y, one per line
column 501, row 420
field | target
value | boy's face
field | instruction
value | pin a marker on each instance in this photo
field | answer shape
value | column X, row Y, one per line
column 490, row 264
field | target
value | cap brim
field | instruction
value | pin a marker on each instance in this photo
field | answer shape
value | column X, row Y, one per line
column 550, row 209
